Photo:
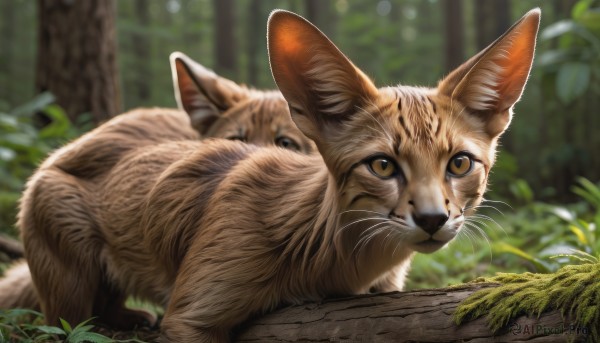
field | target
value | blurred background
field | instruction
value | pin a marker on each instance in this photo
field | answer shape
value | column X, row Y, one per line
column 67, row 65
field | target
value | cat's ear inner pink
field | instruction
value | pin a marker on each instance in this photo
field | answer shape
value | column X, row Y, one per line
column 493, row 80
column 201, row 93
column 317, row 80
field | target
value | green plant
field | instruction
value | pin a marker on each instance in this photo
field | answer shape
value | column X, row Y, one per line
column 23, row 146
column 26, row 326
column 561, row 235
column 576, row 56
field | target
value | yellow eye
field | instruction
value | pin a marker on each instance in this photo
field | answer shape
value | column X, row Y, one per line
column 460, row 165
column 382, row 167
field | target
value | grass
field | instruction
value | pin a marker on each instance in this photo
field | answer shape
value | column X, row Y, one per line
column 19, row 325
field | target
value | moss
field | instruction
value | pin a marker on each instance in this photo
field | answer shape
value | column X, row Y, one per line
column 572, row 290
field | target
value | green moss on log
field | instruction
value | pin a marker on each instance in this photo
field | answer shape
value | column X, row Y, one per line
column 572, row 290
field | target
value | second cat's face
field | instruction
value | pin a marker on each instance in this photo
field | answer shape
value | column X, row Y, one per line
column 221, row 108
column 263, row 119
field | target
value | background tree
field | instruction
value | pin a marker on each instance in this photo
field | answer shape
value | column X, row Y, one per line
column 322, row 14
column 492, row 18
column 7, row 30
column 225, row 38
column 453, row 31
column 77, row 59
column 255, row 39
column 140, row 44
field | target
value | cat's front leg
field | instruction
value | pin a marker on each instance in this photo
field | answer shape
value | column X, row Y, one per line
column 214, row 292
column 185, row 323
column 391, row 281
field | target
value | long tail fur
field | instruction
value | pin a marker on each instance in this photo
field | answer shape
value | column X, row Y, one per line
column 16, row 288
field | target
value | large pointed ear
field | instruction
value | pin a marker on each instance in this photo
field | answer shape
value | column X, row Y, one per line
column 491, row 82
column 320, row 84
column 201, row 93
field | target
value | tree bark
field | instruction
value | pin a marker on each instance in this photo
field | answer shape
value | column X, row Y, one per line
column 77, row 56
column 417, row 316
column 10, row 249
column 225, row 44
column 255, row 35
column 7, row 34
column 454, row 38
column 140, row 44
column 492, row 19
column 321, row 14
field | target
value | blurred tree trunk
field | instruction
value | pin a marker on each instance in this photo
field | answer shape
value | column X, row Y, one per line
column 141, row 50
column 7, row 27
column 225, row 43
column 255, row 36
column 193, row 38
column 77, row 59
column 453, row 30
column 321, row 14
column 562, row 9
column 492, row 19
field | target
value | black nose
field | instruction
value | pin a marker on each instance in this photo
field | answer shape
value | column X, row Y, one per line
column 430, row 222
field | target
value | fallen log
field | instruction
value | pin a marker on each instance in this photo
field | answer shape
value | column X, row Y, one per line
column 11, row 248
column 416, row 316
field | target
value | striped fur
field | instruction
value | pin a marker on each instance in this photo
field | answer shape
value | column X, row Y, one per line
column 219, row 230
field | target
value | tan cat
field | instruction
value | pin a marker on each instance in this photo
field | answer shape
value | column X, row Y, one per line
column 220, row 230
column 216, row 107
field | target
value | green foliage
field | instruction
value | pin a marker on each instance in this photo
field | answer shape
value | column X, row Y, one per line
column 23, row 146
column 573, row 290
column 27, row 326
column 556, row 120
column 563, row 235
column 577, row 55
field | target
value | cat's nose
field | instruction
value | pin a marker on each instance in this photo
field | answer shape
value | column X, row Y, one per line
column 430, row 222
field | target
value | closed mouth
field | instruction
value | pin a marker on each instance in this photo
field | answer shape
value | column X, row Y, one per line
column 430, row 243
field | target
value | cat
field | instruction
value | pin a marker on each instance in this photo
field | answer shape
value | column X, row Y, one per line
column 210, row 106
column 219, row 230
column 219, row 107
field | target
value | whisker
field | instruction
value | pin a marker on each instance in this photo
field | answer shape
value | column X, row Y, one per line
column 480, row 231
column 367, row 211
column 401, row 233
column 467, row 235
column 360, row 220
column 490, row 219
column 485, row 206
column 498, row 202
column 367, row 236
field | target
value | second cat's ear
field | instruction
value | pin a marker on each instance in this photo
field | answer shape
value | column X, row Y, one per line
column 319, row 83
column 201, row 93
column 491, row 82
